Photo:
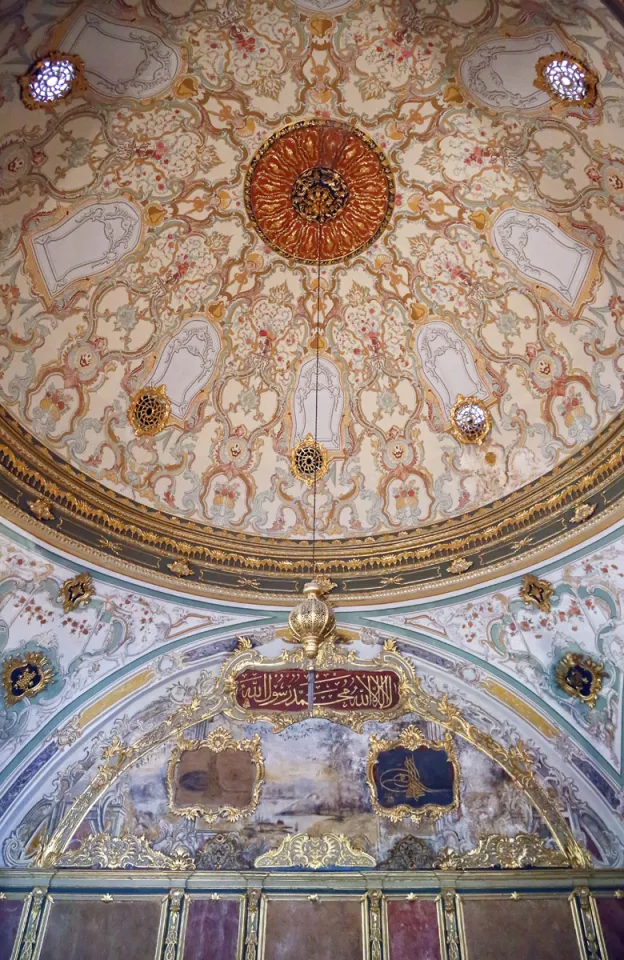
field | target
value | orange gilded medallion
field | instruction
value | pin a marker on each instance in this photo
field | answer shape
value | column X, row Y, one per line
column 319, row 191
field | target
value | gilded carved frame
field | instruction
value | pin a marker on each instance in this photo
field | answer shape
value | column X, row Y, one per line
column 319, row 898
column 107, row 898
column 218, row 741
column 411, row 738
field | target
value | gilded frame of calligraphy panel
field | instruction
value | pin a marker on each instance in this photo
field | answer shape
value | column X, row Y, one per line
column 461, row 898
column 190, row 896
column 317, row 898
column 387, row 663
column 412, row 739
column 107, row 898
column 404, row 897
column 217, row 742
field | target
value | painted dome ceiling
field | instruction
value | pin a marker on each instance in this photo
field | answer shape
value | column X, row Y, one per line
column 160, row 230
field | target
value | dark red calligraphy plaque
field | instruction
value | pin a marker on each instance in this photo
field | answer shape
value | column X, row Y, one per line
column 272, row 690
column 356, row 689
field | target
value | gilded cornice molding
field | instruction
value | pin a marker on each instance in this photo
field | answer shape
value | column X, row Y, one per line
column 94, row 522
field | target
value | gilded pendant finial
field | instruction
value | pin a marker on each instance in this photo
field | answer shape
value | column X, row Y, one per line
column 312, row 622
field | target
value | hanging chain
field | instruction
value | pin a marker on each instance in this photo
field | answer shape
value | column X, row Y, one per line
column 316, row 394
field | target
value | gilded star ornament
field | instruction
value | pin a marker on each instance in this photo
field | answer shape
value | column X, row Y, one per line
column 536, row 592
column 76, row 592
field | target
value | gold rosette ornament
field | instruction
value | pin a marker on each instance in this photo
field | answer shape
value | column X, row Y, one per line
column 312, row 622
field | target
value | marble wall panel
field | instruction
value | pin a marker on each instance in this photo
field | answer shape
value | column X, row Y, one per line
column 10, row 915
column 611, row 913
column 539, row 929
column 93, row 930
column 413, row 932
column 304, row 930
column 212, row 930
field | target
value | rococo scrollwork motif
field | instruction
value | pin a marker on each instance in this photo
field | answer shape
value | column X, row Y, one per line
column 509, row 853
column 315, row 853
column 220, row 741
column 119, row 853
column 413, row 777
column 580, row 676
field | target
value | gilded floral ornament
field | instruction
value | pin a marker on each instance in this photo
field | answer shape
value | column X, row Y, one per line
column 149, row 411
column 120, row 853
column 25, row 675
column 315, row 853
column 582, row 512
column 41, row 509
column 565, row 78
column 459, row 565
column 580, row 676
column 333, row 197
column 508, row 853
column 76, row 592
column 181, row 568
column 537, row 592
column 308, row 460
column 470, row 421
column 51, row 79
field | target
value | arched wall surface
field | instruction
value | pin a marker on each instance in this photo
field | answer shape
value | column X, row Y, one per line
column 458, row 647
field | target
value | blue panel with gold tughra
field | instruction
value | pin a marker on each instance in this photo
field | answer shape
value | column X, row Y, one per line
column 413, row 777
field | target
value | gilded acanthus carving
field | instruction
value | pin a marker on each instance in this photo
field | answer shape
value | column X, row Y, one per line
column 118, row 853
column 315, row 853
column 510, row 853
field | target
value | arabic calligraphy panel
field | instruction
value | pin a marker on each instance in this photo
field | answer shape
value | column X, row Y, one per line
column 272, row 690
column 413, row 777
column 356, row 689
